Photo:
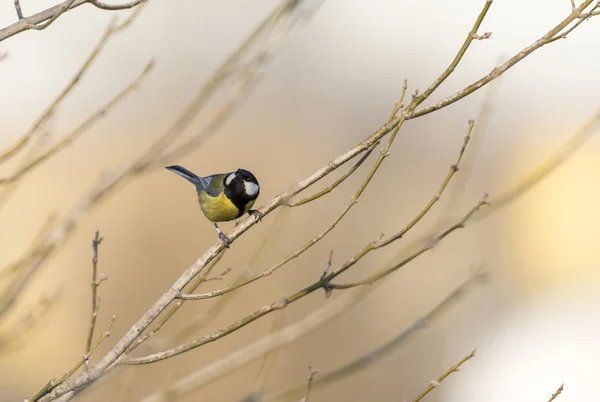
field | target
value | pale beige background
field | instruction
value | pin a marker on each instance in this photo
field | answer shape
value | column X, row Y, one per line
column 333, row 83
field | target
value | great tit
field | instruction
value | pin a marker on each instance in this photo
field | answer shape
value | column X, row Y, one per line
column 223, row 197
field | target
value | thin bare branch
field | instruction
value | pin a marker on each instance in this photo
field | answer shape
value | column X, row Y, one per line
column 557, row 393
column 310, row 379
column 436, row 383
column 472, row 35
column 116, row 7
column 18, row 9
column 95, row 297
column 43, row 19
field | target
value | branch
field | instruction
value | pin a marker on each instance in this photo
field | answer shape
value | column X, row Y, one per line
column 44, row 18
column 453, row 369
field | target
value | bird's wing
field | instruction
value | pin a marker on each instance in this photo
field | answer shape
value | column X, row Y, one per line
column 214, row 184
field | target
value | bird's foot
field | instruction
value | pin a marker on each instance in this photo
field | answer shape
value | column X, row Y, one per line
column 256, row 213
column 226, row 240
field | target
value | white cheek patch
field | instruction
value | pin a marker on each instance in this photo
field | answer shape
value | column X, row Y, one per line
column 251, row 188
column 229, row 178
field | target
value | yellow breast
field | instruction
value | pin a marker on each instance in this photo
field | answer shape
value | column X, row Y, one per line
column 219, row 208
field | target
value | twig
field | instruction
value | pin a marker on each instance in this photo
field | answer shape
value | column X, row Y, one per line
column 95, row 297
column 44, row 18
column 18, row 9
column 116, row 7
column 310, row 379
column 582, row 17
column 557, row 393
column 453, row 369
column 472, row 35
column 41, row 26
column 373, row 356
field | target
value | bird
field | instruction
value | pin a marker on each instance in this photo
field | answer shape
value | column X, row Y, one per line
column 224, row 196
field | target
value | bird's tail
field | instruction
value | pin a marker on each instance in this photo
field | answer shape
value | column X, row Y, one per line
column 186, row 174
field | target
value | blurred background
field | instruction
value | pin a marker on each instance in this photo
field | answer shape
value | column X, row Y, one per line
column 333, row 83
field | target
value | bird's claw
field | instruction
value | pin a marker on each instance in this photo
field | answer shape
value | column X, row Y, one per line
column 256, row 213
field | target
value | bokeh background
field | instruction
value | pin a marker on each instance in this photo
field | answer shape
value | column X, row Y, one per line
column 334, row 82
